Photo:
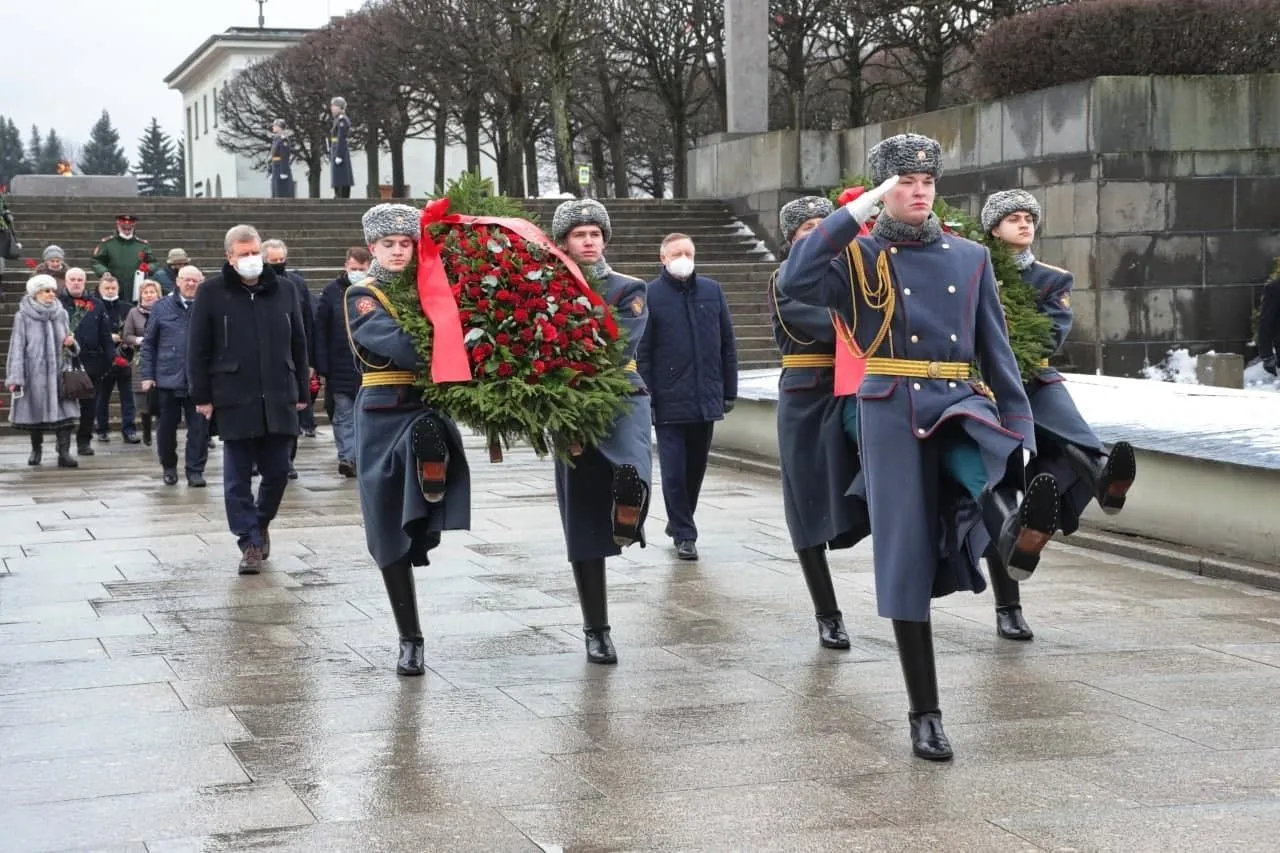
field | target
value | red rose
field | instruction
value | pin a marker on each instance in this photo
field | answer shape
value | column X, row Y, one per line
column 518, row 350
column 527, row 333
column 482, row 304
column 539, row 367
column 464, row 316
column 505, row 369
column 560, row 320
column 499, row 315
column 562, row 340
column 521, row 316
column 503, row 338
column 547, row 350
column 143, row 267
column 503, row 295
column 31, row 263
column 588, row 344
column 475, row 293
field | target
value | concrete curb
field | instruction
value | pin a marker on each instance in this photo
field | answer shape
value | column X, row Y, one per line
column 1090, row 538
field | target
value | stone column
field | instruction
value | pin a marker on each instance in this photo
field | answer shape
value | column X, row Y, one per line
column 746, row 56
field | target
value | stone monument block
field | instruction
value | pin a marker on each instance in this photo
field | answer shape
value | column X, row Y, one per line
column 1221, row 369
column 75, row 186
column 746, row 55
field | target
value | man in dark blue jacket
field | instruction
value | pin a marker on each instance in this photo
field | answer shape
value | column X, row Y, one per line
column 87, row 319
column 276, row 254
column 334, row 360
column 164, row 367
column 689, row 361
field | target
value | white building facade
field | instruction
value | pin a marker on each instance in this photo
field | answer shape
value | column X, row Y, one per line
column 213, row 172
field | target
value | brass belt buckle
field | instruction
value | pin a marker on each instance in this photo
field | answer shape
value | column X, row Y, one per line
column 934, row 370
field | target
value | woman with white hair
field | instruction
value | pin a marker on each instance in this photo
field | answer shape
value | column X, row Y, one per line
column 40, row 343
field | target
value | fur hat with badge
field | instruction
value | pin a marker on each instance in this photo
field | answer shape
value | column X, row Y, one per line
column 905, row 154
column 577, row 212
column 391, row 220
column 798, row 212
column 1005, row 203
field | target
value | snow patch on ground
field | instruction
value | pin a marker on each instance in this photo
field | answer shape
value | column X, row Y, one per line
column 1179, row 367
column 741, row 229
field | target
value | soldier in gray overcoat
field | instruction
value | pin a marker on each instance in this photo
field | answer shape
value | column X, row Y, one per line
column 281, row 170
column 819, row 460
column 942, row 461
column 604, row 496
column 412, row 472
column 1067, row 446
column 341, row 176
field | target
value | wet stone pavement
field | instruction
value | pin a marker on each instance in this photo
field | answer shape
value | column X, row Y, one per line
column 153, row 700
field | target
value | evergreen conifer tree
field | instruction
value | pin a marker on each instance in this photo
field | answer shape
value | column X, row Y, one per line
column 13, row 157
column 51, row 154
column 35, row 144
column 178, row 179
column 102, row 154
column 155, row 162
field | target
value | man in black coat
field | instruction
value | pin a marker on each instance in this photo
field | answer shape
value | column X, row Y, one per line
column 334, row 359
column 1269, row 325
column 247, row 373
column 88, row 321
column 276, row 254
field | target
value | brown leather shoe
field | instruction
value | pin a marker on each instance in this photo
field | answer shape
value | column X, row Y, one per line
column 251, row 562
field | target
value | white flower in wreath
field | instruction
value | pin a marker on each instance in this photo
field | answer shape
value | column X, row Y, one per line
column 473, row 336
column 490, row 281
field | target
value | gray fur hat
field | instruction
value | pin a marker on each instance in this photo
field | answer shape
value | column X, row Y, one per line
column 1005, row 202
column 580, row 211
column 52, row 251
column 798, row 212
column 387, row 220
column 905, row 154
column 339, row 102
column 37, row 283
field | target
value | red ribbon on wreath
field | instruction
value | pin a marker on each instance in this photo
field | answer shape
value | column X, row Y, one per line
column 449, row 361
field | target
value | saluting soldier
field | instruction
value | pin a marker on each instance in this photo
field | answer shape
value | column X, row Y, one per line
column 819, row 461
column 1067, row 446
column 340, row 172
column 938, row 454
column 604, row 497
column 412, row 472
column 123, row 255
column 281, row 172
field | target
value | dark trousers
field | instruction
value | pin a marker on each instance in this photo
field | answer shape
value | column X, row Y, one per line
column 88, row 412
column 248, row 516
column 114, row 381
column 682, row 455
column 175, row 408
column 307, row 417
column 342, row 192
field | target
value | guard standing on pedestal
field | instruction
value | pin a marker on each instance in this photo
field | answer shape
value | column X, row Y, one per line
column 819, row 461
column 340, row 172
column 1066, row 445
column 410, row 466
column 942, row 461
column 281, row 174
column 604, row 497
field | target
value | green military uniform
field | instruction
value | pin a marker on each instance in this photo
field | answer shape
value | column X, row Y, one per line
column 122, row 258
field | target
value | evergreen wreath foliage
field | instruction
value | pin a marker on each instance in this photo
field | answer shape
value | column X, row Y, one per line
column 546, row 371
column 1030, row 332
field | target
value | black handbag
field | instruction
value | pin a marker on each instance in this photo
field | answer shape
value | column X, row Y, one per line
column 10, row 248
column 74, row 383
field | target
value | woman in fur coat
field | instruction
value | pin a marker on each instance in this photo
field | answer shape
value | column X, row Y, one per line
column 38, row 346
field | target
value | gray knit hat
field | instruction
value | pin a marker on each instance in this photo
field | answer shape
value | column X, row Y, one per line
column 387, row 220
column 905, row 154
column 53, row 252
column 1005, row 202
column 798, row 212
column 580, row 211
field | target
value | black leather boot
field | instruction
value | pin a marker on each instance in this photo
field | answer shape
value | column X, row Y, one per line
column 588, row 575
column 1019, row 532
column 1109, row 477
column 37, row 448
column 915, row 652
column 1009, row 621
column 817, row 576
column 65, row 459
column 398, row 578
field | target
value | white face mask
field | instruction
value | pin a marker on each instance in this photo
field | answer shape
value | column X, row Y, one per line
column 356, row 276
column 249, row 266
column 680, row 267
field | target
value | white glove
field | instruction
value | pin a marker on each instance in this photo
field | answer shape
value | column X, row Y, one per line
column 1026, row 457
column 863, row 207
column 337, row 161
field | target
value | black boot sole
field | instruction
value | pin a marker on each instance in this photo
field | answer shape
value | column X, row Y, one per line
column 628, row 505
column 1037, row 521
column 1117, row 478
column 432, row 455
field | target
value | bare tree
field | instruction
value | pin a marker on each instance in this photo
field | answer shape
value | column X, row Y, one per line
column 799, row 36
column 284, row 86
column 663, row 42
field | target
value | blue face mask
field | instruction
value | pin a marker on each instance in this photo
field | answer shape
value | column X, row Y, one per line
column 357, row 276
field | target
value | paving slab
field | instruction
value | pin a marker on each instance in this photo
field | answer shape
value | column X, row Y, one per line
column 153, row 700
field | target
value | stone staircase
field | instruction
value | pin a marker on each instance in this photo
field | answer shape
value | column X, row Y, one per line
column 319, row 231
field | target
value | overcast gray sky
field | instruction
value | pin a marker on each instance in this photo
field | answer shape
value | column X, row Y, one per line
column 67, row 60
